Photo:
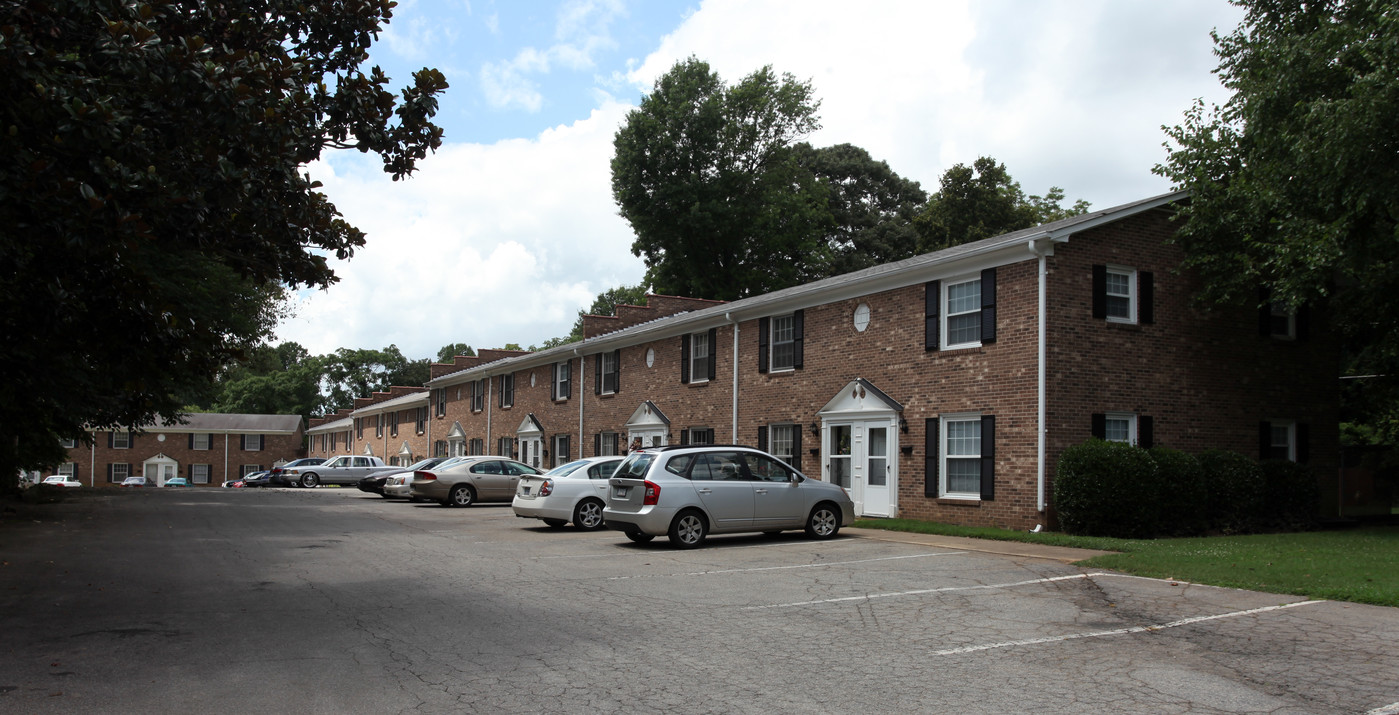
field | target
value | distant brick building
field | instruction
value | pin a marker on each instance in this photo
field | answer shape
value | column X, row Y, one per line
column 207, row 449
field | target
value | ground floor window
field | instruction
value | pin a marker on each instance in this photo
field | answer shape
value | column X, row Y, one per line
column 961, row 451
column 250, row 468
column 68, row 469
column 505, row 446
column 119, row 473
column 478, row 447
column 199, row 473
column 700, row 435
column 562, row 449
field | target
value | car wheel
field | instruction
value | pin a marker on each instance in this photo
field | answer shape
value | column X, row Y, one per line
column 461, row 495
column 688, row 529
column 587, row 516
column 824, row 521
column 386, row 496
column 639, row 537
column 554, row 523
column 310, row 479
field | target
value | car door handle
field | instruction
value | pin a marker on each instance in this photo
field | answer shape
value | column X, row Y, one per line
column 704, row 491
column 760, row 491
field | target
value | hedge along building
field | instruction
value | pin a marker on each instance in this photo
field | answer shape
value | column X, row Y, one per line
column 207, row 449
column 940, row 387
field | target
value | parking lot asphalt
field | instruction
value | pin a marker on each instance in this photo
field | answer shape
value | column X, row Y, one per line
column 1005, row 548
column 333, row 601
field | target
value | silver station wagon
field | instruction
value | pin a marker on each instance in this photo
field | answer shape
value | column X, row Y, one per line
column 689, row 492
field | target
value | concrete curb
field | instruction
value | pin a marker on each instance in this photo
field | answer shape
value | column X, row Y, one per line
column 1062, row 554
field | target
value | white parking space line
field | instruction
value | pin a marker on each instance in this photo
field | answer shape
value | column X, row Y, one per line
column 1120, row 631
column 782, row 568
column 653, row 552
column 1386, row 710
column 924, row 591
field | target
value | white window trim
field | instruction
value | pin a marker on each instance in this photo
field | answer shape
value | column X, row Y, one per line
column 772, row 344
column 68, row 443
column 695, row 340
column 1131, row 418
column 67, row 469
column 945, row 321
column 1291, row 332
column 559, row 381
column 791, row 441
column 120, row 471
column 194, row 473
column 1291, row 427
column 250, row 468
column 119, row 437
column 1131, row 274
column 208, row 441
column 943, row 420
column 246, row 445
column 608, row 361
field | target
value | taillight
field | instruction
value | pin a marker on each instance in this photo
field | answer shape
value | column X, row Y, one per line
column 546, row 488
column 424, row 477
column 652, row 494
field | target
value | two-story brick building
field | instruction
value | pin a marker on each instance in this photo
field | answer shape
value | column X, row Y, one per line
column 943, row 386
column 207, row 449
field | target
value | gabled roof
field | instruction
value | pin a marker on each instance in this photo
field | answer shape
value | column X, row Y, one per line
column 1012, row 247
column 341, row 424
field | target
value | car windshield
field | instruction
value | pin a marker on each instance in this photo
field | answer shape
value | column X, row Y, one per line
column 635, row 466
column 566, row 469
column 422, row 464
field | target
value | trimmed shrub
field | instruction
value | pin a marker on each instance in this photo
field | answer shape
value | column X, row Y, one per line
column 1182, row 489
column 1234, row 491
column 1107, row 489
column 1291, row 496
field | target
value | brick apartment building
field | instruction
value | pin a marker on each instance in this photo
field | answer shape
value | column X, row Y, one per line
column 390, row 425
column 207, row 449
column 941, row 387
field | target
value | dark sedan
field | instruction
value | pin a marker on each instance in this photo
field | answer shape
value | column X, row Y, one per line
column 374, row 483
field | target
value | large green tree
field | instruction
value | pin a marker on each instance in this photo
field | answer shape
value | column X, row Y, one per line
column 872, row 208
column 1294, row 181
column 981, row 201
column 706, row 175
column 348, row 373
column 153, row 205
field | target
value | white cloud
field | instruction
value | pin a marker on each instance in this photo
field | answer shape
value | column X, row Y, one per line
column 582, row 29
column 486, row 244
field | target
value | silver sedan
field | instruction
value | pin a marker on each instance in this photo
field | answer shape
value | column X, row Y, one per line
column 469, row 480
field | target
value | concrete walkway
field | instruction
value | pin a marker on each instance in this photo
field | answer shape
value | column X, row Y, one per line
column 961, row 543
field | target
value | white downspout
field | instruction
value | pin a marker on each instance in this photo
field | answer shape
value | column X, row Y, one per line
column 581, row 374
column 92, row 463
column 490, row 403
column 1041, row 374
column 733, row 426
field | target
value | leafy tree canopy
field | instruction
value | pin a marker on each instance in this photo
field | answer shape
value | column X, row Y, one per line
column 981, row 201
column 1294, row 181
column 448, row 352
column 153, row 207
column 349, row 373
column 706, row 175
column 872, row 208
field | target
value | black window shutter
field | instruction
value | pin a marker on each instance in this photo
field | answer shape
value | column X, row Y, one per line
column 554, row 382
column 1265, row 439
column 1304, row 446
column 111, row 439
column 568, row 384
column 1146, row 432
column 617, row 370
column 798, row 338
column 597, row 444
column 1099, row 426
column 1303, row 322
column 684, row 436
column 713, row 351
column 616, row 442
column 1265, row 313
column 988, row 305
column 567, row 448
column 763, row 438
column 110, row 472
column 685, row 359
column 500, row 396
column 797, row 447
column 242, row 441
column 191, row 440
column 988, row 458
column 930, row 457
column 1146, row 297
column 1100, row 291
column 597, row 376
column 764, row 326
column 932, row 328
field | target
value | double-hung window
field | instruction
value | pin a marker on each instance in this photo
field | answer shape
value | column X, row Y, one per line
column 961, row 450
column 963, row 321
column 505, row 446
column 1281, row 440
column 421, row 421
column 439, row 401
column 478, row 394
column 120, row 472
column 784, row 344
column 1120, row 427
column 563, row 374
column 379, row 425
column 699, row 357
column 200, row 441
column 507, row 391
column 393, row 424
column 1282, row 321
column 562, row 449
column 68, row 443
column 68, row 469
column 121, row 440
column 608, row 371
column 780, row 442
column 477, row 447
column 1121, row 294
column 199, row 473
column 699, row 435
column 252, row 443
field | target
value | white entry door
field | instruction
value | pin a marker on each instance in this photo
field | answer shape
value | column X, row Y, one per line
column 650, row 437
column 159, row 469
column 859, row 457
column 532, row 451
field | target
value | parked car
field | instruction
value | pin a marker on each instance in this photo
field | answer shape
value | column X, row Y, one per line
column 374, row 483
column 136, row 482
column 257, row 479
column 177, row 482
column 689, row 492
column 345, row 469
column 280, row 478
column 576, row 492
column 233, row 483
column 59, row 480
column 471, row 479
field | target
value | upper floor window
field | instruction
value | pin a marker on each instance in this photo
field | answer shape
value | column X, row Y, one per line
column 478, row 395
column 439, row 401
column 784, row 344
column 200, row 441
column 422, row 419
column 120, row 440
column 379, row 425
column 1123, row 295
column 562, row 383
column 68, row 443
column 252, row 442
column 608, row 371
column 507, row 390
column 963, row 311
column 393, row 424
column 699, row 357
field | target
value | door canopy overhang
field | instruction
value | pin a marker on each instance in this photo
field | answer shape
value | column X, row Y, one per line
column 860, row 398
column 405, row 450
column 456, row 433
column 648, row 415
column 530, row 427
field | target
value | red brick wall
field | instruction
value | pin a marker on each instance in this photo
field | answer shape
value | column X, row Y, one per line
column 275, row 447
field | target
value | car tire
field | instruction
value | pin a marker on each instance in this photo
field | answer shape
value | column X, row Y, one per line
column 587, row 516
column 386, row 496
column 553, row 523
column 823, row 522
column 310, row 479
column 639, row 537
column 461, row 495
column 688, row 529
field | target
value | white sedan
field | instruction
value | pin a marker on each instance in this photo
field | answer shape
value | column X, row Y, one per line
column 59, row 480
column 574, row 492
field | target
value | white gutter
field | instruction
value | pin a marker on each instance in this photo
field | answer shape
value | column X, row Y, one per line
column 734, row 369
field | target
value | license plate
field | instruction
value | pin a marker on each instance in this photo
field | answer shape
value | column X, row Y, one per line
column 620, row 492
column 524, row 490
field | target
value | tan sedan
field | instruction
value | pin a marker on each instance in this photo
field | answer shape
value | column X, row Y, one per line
column 471, row 479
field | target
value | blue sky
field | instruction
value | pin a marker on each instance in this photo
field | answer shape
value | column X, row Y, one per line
column 509, row 229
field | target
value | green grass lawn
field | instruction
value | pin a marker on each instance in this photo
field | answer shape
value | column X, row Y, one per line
column 1360, row 564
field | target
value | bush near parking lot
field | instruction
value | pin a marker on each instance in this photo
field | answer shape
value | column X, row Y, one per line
column 1117, row 490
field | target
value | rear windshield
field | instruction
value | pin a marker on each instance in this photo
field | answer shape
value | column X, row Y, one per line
column 635, row 467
